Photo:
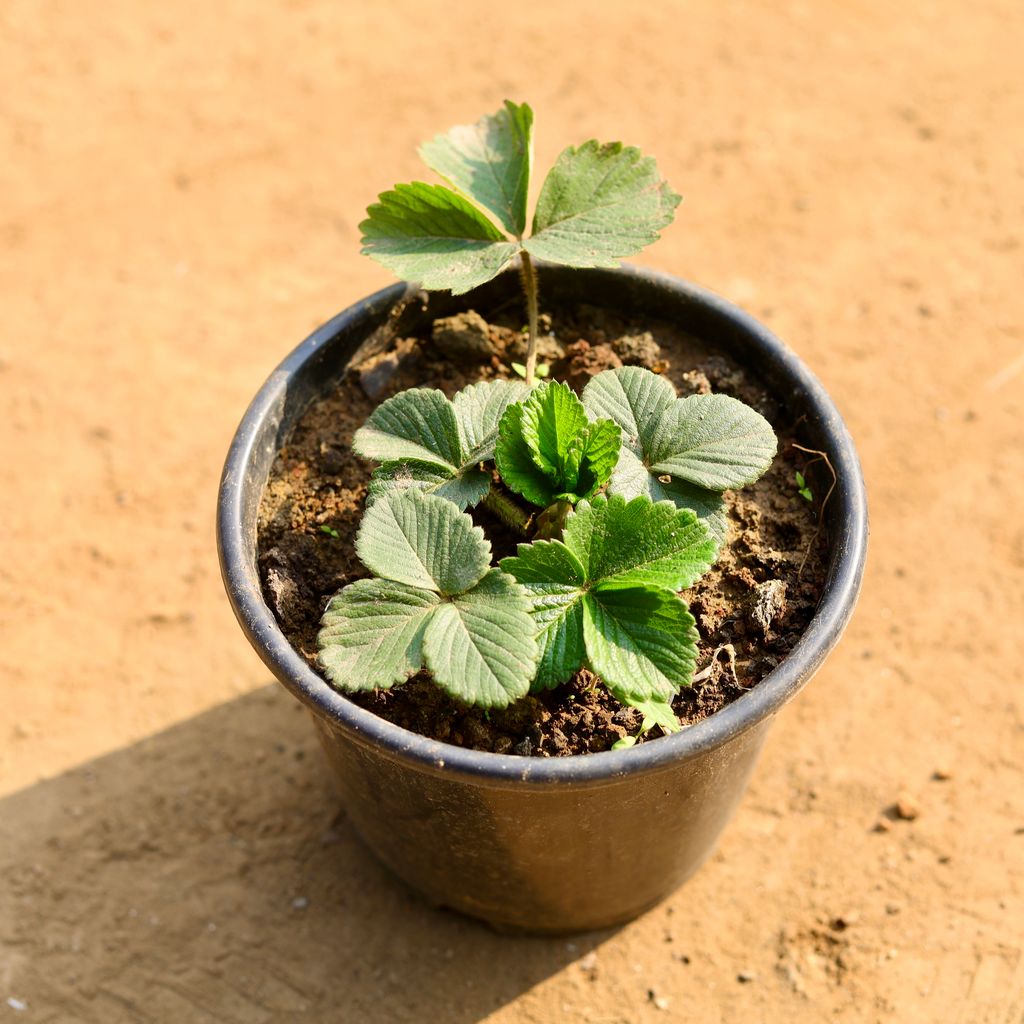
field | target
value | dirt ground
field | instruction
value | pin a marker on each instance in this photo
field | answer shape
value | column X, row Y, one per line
column 181, row 186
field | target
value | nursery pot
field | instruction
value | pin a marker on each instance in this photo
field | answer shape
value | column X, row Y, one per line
column 542, row 844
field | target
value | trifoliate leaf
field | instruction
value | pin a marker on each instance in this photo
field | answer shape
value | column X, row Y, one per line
column 372, row 634
column 418, row 425
column 463, row 489
column 598, row 205
column 548, row 451
column 683, row 449
column 639, row 543
column 489, row 161
column 612, row 545
column 640, row 640
column 478, row 410
column 554, row 580
column 480, row 646
column 713, row 441
column 423, row 541
column 428, row 233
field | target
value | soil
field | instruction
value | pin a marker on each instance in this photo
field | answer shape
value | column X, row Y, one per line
column 751, row 607
column 181, row 194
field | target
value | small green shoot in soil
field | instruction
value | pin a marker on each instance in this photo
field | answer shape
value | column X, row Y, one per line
column 802, row 489
column 330, row 531
column 599, row 204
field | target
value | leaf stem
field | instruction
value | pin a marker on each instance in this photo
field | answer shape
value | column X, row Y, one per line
column 529, row 276
column 508, row 510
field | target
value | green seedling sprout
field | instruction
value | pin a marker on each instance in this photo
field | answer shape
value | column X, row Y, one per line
column 802, row 489
column 616, row 491
column 599, row 204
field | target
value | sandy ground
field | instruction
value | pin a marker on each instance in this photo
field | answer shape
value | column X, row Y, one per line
column 180, row 187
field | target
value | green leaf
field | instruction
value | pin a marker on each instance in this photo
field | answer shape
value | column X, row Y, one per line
column 372, row 634
column 427, row 443
column 632, row 478
column 463, row 489
column 713, row 441
column 639, row 543
column 480, row 646
column 638, row 548
column 554, row 580
column 547, row 450
column 591, row 458
column 640, row 640
column 598, row 205
column 429, row 234
column 633, row 397
column 553, row 417
column 683, row 449
column 514, row 459
column 423, row 541
column 418, row 425
column 489, row 161
column 478, row 410
column 624, row 744
column 656, row 712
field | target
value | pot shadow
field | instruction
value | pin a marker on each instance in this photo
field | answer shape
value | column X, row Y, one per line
column 207, row 874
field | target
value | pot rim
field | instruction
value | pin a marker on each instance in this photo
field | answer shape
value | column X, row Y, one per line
column 839, row 595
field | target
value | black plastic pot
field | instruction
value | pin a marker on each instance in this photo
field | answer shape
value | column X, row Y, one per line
column 559, row 844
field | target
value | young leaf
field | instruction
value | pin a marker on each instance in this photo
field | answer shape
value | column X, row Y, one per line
column 598, row 205
column 686, row 450
column 548, row 451
column 612, row 547
column 489, row 161
column 641, row 641
column 372, row 634
column 428, row 233
column 480, row 647
column 423, row 541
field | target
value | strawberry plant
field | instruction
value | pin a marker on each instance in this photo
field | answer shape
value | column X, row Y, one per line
column 617, row 492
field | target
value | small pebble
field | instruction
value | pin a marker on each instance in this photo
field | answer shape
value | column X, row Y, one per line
column 300, row 902
column 906, row 809
column 942, row 775
column 588, row 964
column 843, row 921
column 16, row 1004
column 746, row 977
column 660, row 1002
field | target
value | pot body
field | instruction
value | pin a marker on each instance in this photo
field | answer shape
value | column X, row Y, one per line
column 559, row 858
column 531, row 844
